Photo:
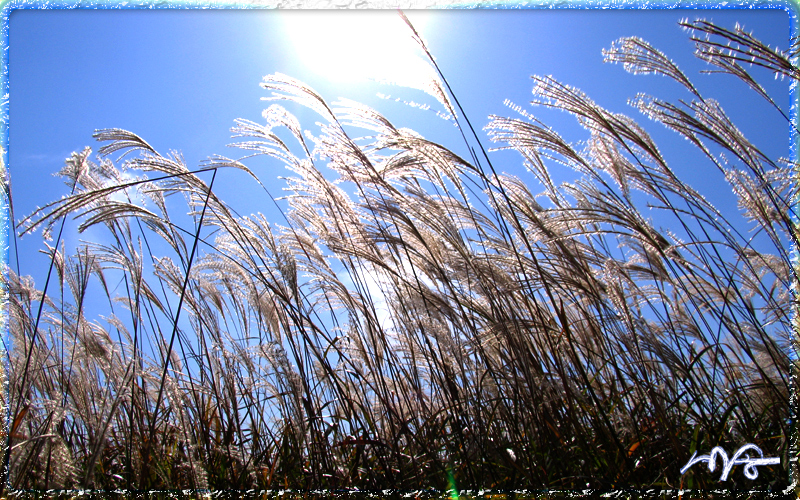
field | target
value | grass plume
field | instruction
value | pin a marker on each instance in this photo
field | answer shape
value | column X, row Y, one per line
column 418, row 319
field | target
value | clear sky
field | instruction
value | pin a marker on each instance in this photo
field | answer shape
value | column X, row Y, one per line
column 179, row 78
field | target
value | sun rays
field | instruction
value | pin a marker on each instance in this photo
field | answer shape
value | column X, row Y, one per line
column 354, row 47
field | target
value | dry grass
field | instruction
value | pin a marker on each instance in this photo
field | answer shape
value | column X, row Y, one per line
column 519, row 340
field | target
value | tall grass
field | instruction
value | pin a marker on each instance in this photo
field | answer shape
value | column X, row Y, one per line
column 418, row 320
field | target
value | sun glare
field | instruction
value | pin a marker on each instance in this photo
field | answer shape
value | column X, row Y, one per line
column 351, row 47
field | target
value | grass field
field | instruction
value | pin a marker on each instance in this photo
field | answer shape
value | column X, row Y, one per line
column 418, row 319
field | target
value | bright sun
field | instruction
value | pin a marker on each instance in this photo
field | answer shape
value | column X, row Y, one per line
column 352, row 46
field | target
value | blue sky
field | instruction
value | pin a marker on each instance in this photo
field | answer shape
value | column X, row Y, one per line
column 179, row 78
